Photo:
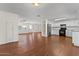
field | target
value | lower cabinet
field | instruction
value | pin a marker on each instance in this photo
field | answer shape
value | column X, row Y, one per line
column 56, row 32
column 75, row 38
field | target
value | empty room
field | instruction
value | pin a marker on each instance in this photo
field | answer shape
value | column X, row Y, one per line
column 39, row 29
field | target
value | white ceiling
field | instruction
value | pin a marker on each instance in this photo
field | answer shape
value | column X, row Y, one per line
column 44, row 11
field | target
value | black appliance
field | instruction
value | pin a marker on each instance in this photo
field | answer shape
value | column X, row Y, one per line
column 62, row 31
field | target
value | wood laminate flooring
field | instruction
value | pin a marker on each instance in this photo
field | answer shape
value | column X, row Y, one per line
column 33, row 44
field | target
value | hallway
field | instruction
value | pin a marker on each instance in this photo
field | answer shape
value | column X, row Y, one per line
column 33, row 44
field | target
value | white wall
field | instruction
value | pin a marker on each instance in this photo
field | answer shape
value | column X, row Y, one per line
column 8, row 27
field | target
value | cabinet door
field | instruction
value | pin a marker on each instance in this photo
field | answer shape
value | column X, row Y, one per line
column 75, row 38
column 12, row 30
column 9, row 31
column 2, row 31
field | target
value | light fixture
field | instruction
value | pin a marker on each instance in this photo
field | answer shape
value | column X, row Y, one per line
column 60, row 19
column 24, row 26
column 36, row 4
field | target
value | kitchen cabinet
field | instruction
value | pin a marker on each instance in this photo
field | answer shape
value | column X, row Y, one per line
column 75, row 38
column 8, row 27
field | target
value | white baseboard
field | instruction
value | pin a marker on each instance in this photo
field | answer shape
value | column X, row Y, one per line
column 1, row 43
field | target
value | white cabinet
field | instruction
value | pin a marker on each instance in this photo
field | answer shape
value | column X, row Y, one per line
column 2, row 30
column 55, row 31
column 8, row 27
column 75, row 38
column 12, row 29
column 69, row 33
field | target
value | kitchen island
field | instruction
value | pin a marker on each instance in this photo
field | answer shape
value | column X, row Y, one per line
column 75, row 37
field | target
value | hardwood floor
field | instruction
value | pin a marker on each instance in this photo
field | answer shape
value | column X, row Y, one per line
column 34, row 44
